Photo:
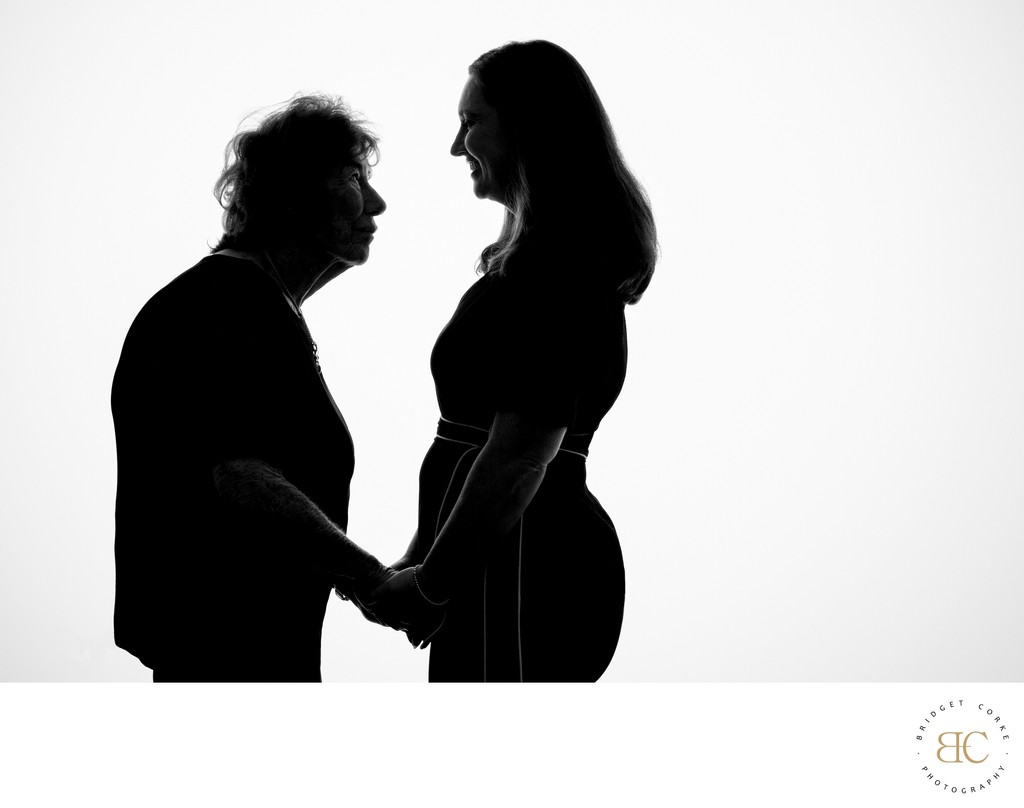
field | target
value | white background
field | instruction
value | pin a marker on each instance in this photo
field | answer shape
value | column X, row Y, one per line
column 816, row 466
column 707, row 745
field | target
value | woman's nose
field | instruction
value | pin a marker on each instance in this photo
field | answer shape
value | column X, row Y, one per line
column 458, row 145
column 374, row 203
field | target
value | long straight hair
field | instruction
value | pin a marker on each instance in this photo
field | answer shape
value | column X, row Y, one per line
column 571, row 193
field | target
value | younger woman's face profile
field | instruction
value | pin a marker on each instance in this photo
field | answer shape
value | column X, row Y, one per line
column 483, row 141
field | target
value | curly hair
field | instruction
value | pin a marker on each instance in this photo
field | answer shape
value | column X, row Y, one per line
column 271, row 188
column 571, row 191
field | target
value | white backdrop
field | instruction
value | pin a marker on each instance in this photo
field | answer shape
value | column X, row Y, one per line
column 816, row 465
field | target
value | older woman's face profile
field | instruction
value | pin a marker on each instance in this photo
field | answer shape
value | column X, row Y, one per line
column 484, row 143
column 353, row 204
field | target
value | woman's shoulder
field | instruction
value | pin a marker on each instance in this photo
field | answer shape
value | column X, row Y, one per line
column 559, row 268
column 555, row 316
column 232, row 275
column 216, row 292
column 573, row 284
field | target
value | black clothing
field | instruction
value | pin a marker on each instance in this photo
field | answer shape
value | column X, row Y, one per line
column 217, row 367
column 547, row 604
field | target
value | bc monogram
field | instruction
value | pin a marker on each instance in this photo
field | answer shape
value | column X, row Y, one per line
column 985, row 750
column 961, row 747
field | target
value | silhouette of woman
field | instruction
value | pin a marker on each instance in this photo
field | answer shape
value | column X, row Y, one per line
column 524, row 559
column 233, row 460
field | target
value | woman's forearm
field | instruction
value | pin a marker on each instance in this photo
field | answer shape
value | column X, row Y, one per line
column 313, row 540
column 499, row 487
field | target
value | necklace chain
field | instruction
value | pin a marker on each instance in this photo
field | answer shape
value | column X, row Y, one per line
column 312, row 342
column 298, row 311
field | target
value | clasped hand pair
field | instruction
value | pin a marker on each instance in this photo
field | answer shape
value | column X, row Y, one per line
column 393, row 599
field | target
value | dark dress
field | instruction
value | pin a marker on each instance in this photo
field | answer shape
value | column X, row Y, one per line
column 217, row 367
column 547, row 603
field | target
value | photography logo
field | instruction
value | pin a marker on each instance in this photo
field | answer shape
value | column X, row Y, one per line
column 963, row 747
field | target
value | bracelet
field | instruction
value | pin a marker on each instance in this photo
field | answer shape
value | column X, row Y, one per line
column 416, row 581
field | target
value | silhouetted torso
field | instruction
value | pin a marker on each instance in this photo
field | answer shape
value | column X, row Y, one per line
column 555, row 354
column 217, row 367
column 547, row 606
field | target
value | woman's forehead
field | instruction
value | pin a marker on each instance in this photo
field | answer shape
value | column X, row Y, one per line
column 472, row 101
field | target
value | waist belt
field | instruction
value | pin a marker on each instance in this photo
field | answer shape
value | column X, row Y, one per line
column 578, row 444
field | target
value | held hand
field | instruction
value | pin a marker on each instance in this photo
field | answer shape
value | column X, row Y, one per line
column 347, row 589
column 398, row 603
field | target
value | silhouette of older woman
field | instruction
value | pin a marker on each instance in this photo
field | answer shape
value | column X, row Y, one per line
column 513, row 547
column 233, row 460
